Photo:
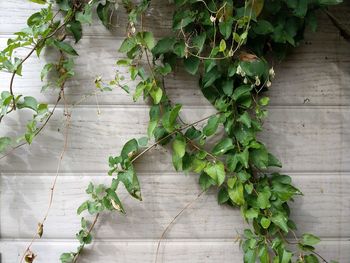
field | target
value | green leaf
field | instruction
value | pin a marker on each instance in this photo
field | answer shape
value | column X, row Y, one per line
column 281, row 221
column 260, row 158
column 263, row 27
column 177, row 162
column 286, row 256
column 227, row 87
column 265, row 222
column 131, row 182
column 222, row 46
column 205, row 181
column 115, row 200
column 179, row 146
column 129, row 149
column 263, row 200
column 67, row 257
column 154, row 115
column 223, row 196
column 284, row 191
column 245, row 119
column 309, row 239
column 164, row 45
column 251, row 213
column 198, row 42
column 46, row 69
column 264, row 254
column 236, row 193
column 82, row 207
column 169, row 118
column 65, row 47
column 254, row 68
column 156, row 94
column 223, row 146
column 85, row 17
column 250, row 256
column 273, row 161
column 127, row 45
column 179, row 49
column 30, row 103
column 41, row 2
column 142, row 142
column 216, row 171
column 191, row 64
column 311, row 259
column 226, row 27
column 148, row 40
column 241, row 91
column 76, row 29
column 243, row 157
column 103, row 12
column 4, row 143
column 138, row 92
column 198, row 165
column 211, row 127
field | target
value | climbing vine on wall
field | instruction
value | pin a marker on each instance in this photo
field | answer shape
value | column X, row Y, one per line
column 230, row 46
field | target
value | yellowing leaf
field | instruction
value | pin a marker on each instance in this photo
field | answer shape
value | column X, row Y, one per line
column 257, row 6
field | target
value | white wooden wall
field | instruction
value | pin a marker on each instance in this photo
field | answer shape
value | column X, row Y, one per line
column 308, row 129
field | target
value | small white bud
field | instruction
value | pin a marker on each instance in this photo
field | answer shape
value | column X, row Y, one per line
column 268, row 84
column 272, row 73
column 257, row 81
column 245, row 81
column 212, row 19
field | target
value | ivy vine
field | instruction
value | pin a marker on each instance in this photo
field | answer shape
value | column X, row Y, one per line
column 230, row 45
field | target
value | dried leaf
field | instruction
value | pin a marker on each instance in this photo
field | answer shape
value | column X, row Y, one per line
column 40, row 229
column 29, row 257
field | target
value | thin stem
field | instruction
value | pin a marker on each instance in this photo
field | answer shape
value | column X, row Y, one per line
column 171, row 134
column 89, row 232
column 174, row 219
column 52, row 189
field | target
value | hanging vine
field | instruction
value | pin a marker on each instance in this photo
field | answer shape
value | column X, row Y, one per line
column 230, row 46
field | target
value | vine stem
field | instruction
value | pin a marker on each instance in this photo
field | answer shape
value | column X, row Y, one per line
column 28, row 56
column 52, row 189
column 174, row 219
column 171, row 134
column 76, row 257
column 138, row 156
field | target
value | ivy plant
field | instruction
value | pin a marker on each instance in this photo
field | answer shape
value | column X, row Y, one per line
column 229, row 45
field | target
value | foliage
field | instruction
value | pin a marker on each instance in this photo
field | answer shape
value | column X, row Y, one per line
column 227, row 45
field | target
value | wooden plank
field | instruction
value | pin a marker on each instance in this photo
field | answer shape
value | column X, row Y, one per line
column 316, row 74
column 324, row 210
column 305, row 139
column 186, row 251
column 158, row 17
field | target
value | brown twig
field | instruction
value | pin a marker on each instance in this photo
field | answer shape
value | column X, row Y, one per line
column 52, row 189
column 174, row 219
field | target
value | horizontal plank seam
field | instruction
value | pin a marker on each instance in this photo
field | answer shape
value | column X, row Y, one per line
column 156, row 173
column 200, row 107
column 172, row 240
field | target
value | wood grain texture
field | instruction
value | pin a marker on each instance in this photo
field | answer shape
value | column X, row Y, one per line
column 184, row 251
column 317, row 73
column 308, row 129
column 324, row 210
column 305, row 139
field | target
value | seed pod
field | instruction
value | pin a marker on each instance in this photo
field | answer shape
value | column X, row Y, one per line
column 40, row 229
column 29, row 257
